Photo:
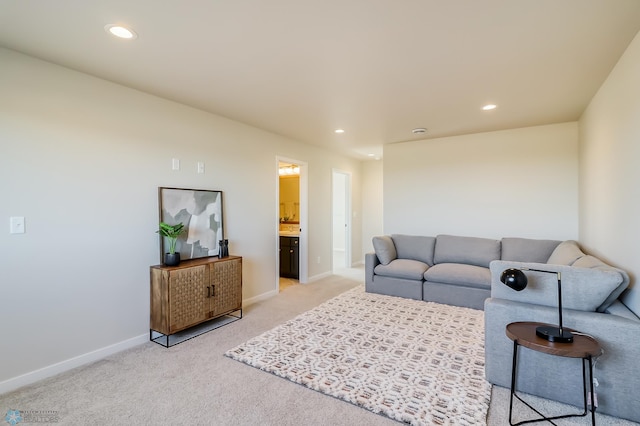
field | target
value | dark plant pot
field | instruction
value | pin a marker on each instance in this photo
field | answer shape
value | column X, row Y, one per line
column 171, row 259
column 224, row 248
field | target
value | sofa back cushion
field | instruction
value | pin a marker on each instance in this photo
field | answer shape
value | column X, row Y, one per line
column 467, row 250
column 591, row 262
column 527, row 249
column 569, row 253
column 384, row 248
column 414, row 247
column 583, row 289
column 566, row 253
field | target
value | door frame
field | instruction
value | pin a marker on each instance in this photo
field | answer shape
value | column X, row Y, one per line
column 304, row 217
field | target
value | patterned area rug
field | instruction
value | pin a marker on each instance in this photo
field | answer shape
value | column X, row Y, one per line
column 416, row 362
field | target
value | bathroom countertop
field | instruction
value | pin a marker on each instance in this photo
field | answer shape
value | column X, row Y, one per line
column 289, row 234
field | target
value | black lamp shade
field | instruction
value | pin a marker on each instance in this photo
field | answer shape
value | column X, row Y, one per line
column 514, row 278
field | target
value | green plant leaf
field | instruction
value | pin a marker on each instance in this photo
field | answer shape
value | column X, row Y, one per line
column 171, row 232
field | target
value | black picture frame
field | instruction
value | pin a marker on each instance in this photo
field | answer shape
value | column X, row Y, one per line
column 201, row 212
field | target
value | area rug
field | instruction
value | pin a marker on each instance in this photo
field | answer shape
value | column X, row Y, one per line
column 415, row 362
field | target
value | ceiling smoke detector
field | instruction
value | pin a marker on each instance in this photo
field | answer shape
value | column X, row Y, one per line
column 419, row 130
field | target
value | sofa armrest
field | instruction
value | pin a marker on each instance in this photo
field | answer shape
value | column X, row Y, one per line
column 583, row 289
column 370, row 262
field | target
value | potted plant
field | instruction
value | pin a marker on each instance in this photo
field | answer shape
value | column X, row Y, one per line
column 171, row 232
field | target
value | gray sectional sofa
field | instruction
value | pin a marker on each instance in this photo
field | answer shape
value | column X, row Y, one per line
column 465, row 271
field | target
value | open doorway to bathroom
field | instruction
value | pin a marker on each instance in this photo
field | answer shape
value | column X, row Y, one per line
column 341, row 223
column 292, row 208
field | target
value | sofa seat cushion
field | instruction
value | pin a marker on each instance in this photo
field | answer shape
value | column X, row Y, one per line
column 403, row 268
column 414, row 247
column 468, row 250
column 618, row 308
column 459, row 274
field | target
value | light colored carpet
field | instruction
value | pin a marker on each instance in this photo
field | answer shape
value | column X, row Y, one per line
column 415, row 362
column 193, row 383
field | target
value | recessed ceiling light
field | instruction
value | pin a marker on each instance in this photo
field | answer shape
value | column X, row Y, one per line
column 339, row 131
column 489, row 107
column 120, row 31
column 419, row 130
column 370, row 155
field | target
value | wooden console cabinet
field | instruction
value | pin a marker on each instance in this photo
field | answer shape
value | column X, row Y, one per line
column 192, row 293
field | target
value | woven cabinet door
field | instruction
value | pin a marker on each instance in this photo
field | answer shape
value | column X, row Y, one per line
column 226, row 278
column 188, row 303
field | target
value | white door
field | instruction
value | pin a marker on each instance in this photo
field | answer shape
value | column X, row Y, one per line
column 341, row 208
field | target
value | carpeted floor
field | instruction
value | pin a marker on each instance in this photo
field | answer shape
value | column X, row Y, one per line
column 195, row 384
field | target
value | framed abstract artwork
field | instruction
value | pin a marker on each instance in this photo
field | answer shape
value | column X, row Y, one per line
column 200, row 211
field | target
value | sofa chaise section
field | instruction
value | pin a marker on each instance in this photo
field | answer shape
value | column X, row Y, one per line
column 591, row 305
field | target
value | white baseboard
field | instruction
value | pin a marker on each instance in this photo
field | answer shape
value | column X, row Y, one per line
column 60, row 367
column 258, row 298
column 319, row 276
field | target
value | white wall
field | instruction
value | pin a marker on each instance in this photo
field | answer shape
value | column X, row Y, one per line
column 372, row 203
column 610, row 171
column 521, row 182
column 339, row 211
column 82, row 159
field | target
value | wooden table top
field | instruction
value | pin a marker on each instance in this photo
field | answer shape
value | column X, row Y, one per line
column 525, row 334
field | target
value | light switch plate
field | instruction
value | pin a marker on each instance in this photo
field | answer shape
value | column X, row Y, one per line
column 16, row 225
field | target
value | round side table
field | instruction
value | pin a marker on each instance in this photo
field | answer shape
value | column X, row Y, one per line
column 584, row 347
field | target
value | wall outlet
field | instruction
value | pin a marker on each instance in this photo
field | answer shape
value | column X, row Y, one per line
column 318, row 260
column 16, row 225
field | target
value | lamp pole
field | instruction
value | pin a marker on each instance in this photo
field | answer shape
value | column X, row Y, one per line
column 554, row 334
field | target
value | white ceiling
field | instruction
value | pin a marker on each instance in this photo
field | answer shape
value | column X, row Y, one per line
column 375, row 68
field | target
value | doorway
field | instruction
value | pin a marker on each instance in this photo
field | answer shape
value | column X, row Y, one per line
column 291, row 205
column 341, row 223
